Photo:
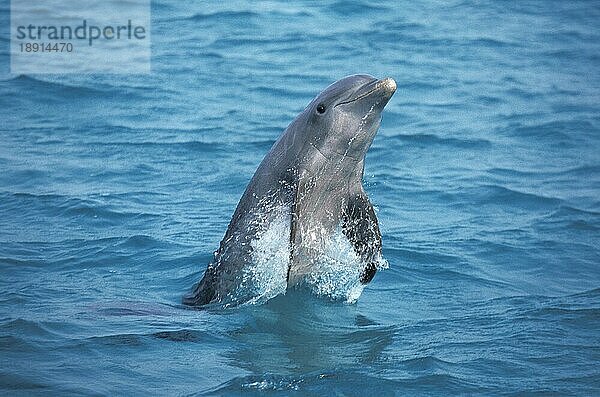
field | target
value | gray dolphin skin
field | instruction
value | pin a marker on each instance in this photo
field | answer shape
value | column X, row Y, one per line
column 307, row 188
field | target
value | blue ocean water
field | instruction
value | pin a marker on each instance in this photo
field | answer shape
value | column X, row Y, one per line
column 116, row 189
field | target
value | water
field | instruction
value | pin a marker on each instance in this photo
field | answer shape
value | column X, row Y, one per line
column 115, row 190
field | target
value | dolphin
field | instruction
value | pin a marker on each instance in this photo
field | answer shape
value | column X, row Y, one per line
column 304, row 204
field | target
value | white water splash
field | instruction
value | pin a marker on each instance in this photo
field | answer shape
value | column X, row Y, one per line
column 270, row 259
column 334, row 272
column 337, row 269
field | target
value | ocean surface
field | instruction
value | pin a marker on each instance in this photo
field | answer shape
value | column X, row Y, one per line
column 116, row 189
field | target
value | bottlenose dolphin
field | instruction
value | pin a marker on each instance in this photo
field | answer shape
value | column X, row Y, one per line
column 305, row 201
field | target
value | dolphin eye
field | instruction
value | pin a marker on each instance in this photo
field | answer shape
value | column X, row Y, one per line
column 321, row 108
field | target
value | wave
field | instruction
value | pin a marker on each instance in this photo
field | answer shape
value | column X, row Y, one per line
column 582, row 171
column 431, row 140
column 352, row 8
column 586, row 315
column 592, row 293
column 69, row 206
column 554, row 131
column 488, row 42
column 398, row 26
column 570, row 218
column 501, row 195
column 424, row 257
column 184, row 335
column 16, row 384
column 32, row 331
column 429, row 272
column 28, row 83
column 135, row 128
column 343, row 382
column 219, row 16
column 192, row 145
column 426, row 363
column 280, row 92
column 472, row 195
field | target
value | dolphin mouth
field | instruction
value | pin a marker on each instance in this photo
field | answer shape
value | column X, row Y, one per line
column 386, row 87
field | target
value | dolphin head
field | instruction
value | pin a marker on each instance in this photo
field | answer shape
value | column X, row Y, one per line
column 343, row 119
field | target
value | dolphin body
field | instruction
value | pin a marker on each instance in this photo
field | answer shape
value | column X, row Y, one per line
column 306, row 193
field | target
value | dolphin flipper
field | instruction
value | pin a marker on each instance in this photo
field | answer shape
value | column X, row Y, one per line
column 362, row 230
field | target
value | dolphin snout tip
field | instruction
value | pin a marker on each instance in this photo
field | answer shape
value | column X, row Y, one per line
column 389, row 84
